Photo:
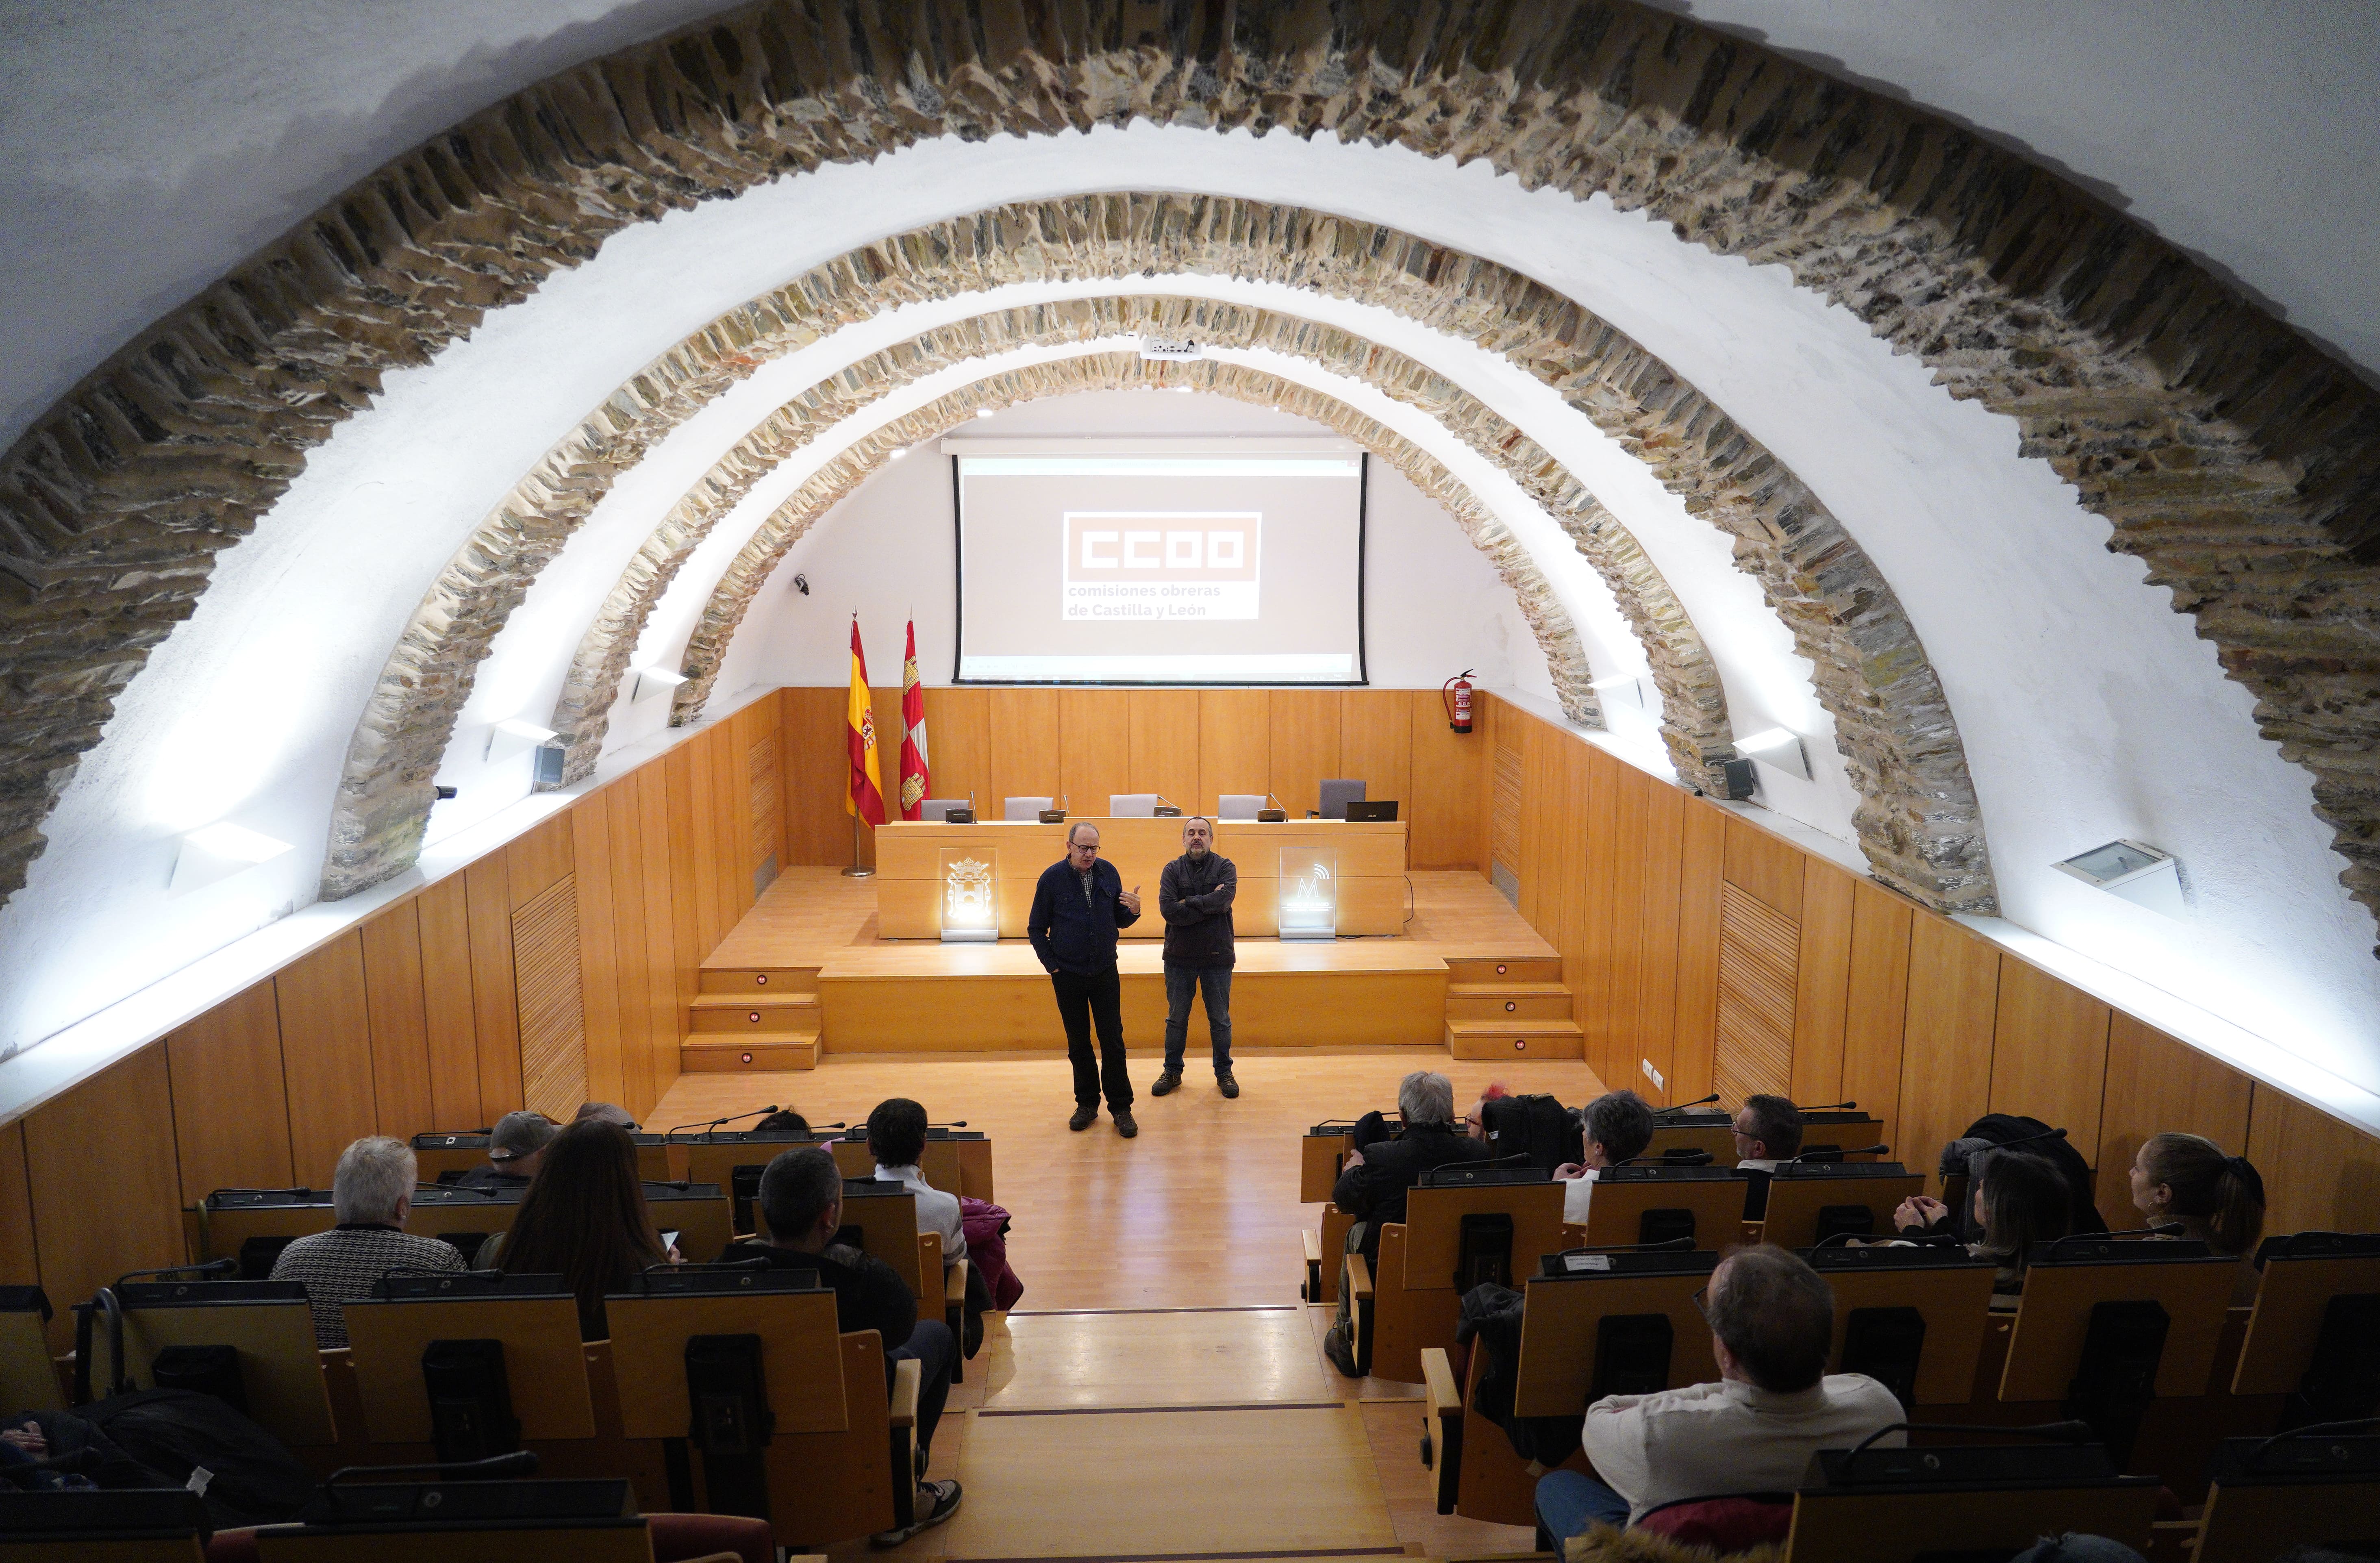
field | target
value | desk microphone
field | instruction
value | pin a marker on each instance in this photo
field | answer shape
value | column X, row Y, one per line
column 2057, row 1432
column 1830, row 1106
column 520, row 1463
column 1815, row 1156
column 2028, row 1139
column 455, row 1188
column 211, row 1268
column 2163, row 1229
column 706, row 1128
column 1685, row 1107
column 1666, row 1245
column 959, row 1124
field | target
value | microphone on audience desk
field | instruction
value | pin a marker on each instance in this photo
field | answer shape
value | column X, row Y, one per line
column 1828, row 1107
column 211, row 1268
column 1666, row 1245
column 1686, row 1107
column 455, row 1188
column 2055, row 1432
column 959, row 1123
column 707, row 1128
column 2311, row 1429
column 520, row 1463
column 2163, row 1229
column 2028, row 1139
column 1815, row 1156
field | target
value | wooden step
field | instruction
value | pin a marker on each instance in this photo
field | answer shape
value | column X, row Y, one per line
column 741, row 1014
column 1516, row 1039
column 729, row 1055
column 1507, row 1001
column 1467, row 970
column 760, row 979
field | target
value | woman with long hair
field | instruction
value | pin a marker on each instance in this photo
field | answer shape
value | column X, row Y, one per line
column 2020, row 1200
column 2218, row 1199
column 584, row 1219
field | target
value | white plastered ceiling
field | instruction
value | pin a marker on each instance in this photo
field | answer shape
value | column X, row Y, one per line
column 2087, row 708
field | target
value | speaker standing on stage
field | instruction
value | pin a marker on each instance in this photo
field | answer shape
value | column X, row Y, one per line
column 1193, row 896
column 1077, row 908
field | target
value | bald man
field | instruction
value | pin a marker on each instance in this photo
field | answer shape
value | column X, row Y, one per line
column 1077, row 908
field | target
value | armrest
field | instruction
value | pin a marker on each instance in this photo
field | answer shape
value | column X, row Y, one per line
column 1359, row 1279
column 1437, row 1381
column 906, row 1378
column 954, row 1282
column 929, row 1262
column 1313, row 1245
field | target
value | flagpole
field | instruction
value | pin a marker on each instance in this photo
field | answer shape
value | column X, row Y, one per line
column 857, row 871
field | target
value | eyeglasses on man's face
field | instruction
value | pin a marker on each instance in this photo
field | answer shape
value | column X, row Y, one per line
column 1697, row 1300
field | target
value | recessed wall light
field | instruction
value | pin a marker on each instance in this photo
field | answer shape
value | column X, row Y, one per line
column 513, row 736
column 896, row 456
column 2141, row 874
column 983, row 412
column 1778, row 746
column 654, row 681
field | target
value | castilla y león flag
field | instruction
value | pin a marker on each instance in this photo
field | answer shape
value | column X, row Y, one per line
column 914, row 778
column 866, row 798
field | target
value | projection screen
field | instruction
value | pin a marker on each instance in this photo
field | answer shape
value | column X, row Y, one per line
column 1171, row 561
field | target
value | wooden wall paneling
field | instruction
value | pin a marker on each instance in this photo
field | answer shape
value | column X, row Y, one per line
column 537, row 857
column 810, row 755
column 96, row 1215
column 449, row 1011
column 2157, row 1086
column 765, row 782
column 598, row 991
column 549, row 975
column 1764, row 865
column 671, row 972
column 732, row 818
column 1235, row 743
column 231, row 1102
column 633, row 958
column 1164, row 736
column 1094, row 748
column 1759, row 957
column 1536, row 743
column 21, row 1263
column 1702, row 858
column 1822, row 982
column 1591, row 992
column 1660, row 878
column 325, row 1056
column 1448, row 769
column 1631, row 801
column 686, row 921
column 2049, row 1053
column 702, row 793
column 958, row 743
column 1876, row 1004
column 1946, row 1056
column 400, row 1030
column 1303, row 739
column 2320, row 1175
column 495, row 1008
column 1576, row 870
column 1376, row 744
column 1022, row 725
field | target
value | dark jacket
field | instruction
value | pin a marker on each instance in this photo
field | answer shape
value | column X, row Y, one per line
column 1193, row 896
column 869, row 1293
column 1070, row 934
column 1373, row 1192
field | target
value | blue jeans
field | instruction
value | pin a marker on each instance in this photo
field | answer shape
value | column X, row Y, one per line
column 934, row 1348
column 1214, row 983
column 1570, row 1501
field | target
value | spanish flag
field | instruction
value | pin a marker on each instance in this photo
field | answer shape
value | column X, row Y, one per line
column 866, row 799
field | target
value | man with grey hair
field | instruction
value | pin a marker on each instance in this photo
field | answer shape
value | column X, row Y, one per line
column 1193, row 896
column 1077, row 907
column 1772, row 1321
column 371, row 1192
column 1375, row 1180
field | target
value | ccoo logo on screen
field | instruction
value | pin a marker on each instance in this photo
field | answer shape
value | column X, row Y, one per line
column 1157, row 565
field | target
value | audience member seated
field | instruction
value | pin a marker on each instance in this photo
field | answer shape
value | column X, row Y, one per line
column 896, row 1138
column 2218, row 1199
column 606, row 1112
column 785, row 1119
column 801, row 1194
column 1772, row 1322
column 371, row 1190
column 1618, row 1126
column 513, row 1147
column 584, row 1219
column 1768, row 1131
column 1374, row 1180
column 2020, row 1200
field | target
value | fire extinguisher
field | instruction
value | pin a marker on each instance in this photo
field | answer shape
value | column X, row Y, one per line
column 1456, row 693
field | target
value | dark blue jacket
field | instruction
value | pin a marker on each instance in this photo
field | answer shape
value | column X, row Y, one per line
column 1073, row 935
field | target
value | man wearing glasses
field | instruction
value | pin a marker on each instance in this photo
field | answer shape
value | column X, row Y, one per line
column 1768, row 1131
column 1772, row 1323
column 1077, row 908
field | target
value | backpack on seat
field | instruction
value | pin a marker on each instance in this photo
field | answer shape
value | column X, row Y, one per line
column 1539, row 1127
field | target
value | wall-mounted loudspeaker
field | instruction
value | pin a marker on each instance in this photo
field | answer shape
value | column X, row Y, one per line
column 1740, row 780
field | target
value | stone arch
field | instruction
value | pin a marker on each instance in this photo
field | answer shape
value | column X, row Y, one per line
column 1695, row 708
column 2240, row 463
column 1917, row 817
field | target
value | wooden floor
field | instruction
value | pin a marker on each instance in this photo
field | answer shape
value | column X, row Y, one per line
column 811, row 914
column 1160, row 1288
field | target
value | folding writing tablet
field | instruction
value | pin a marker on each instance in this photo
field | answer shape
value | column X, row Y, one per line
column 228, row 1218
column 1711, row 1198
column 699, row 1213
column 1565, row 1313
column 1800, row 1194
column 2268, row 1495
column 1895, row 1505
column 546, row 1364
column 2301, row 1274
column 801, row 1351
column 2067, row 1279
column 1950, row 1289
column 28, row 1381
column 269, row 1323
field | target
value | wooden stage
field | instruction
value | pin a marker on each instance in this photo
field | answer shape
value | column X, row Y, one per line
column 807, row 972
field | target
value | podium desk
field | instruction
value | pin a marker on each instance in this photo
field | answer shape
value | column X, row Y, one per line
column 996, row 864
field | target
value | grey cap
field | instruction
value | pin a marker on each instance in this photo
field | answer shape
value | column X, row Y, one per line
column 608, row 1112
column 519, row 1135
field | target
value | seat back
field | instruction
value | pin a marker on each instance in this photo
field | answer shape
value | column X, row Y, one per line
column 1336, row 794
column 1623, row 1208
column 545, row 1366
column 1132, row 805
column 1238, row 805
column 937, row 810
column 1022, row 808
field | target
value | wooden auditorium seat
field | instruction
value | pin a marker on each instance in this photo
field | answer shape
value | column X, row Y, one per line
column 1940, row 1501
column 1423, row 1272
column 253, row 1341
column 1810, row 1201
column 28, row 1379
column 534, row 1321
column 1913, row 1319
column 1651, row 1202
column 2267, row 1496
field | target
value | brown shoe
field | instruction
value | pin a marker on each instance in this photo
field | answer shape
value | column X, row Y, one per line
column 1124, row 1125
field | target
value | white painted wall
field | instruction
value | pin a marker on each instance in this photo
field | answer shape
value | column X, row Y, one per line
column 2074, row 683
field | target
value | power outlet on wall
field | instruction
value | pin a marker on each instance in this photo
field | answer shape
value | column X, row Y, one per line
column 1652, row 1074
